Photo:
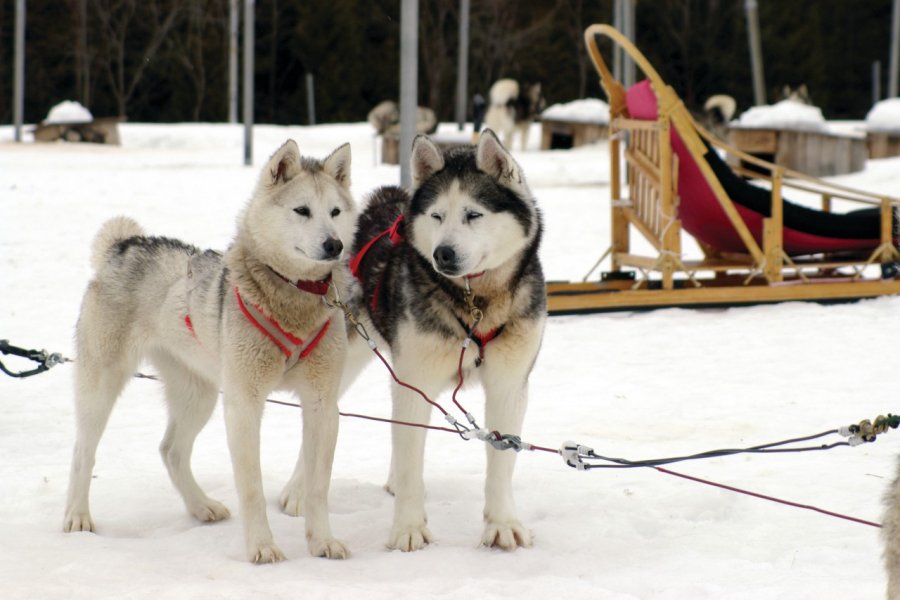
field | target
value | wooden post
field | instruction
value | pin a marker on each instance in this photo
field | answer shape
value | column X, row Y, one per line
column 889, row 252
column 666, row 204
column 619, row 223
column 773, row 230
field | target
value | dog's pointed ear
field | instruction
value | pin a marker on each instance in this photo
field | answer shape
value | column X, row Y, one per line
column 492, row 158
column 282, row 167
column 426, row 160
column 337, row 164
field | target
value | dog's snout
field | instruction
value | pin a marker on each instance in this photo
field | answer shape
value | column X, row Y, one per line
column 445, row 258
column 332, row 247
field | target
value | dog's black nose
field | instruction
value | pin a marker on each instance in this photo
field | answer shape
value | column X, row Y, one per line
column 332, row 247
column 445, row 258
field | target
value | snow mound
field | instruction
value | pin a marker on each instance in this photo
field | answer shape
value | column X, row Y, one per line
column 68, row 111
column 589, row 110
column 884, row 117
column 786, row 114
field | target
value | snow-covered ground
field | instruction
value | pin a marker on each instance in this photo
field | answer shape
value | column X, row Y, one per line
column 636, row 385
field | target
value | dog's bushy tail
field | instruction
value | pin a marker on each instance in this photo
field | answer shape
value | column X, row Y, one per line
column 114, row 230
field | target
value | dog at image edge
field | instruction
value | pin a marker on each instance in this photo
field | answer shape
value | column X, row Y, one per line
column 250, row 321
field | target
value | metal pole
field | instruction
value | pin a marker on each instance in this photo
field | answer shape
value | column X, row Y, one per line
column 759, row 86
column 628, row 14
column 876, row 81
column 409, row 41
column 462, row 70
column 895, row 51
column 618, row 23
column 249, row 6
column 83, row 85
column 310, row 99
column 19, row 77
column 234, row 18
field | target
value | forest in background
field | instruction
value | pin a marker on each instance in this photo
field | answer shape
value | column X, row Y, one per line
column 167, row 60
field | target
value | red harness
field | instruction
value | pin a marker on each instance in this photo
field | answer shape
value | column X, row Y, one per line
column 294, row 348
column 393, row 232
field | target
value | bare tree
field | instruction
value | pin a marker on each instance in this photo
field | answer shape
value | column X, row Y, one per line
column 203, row 26
column 150, row 21
column 502, row 29
column 438, row 25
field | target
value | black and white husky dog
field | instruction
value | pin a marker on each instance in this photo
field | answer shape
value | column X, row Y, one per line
column 470, row 223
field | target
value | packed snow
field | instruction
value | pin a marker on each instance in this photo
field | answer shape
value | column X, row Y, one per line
column 630, row 384
column 68, row 111
column 786, row 114
column 884, row 117
column 588, row 110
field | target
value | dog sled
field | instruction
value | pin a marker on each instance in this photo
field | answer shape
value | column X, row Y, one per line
column 758, row 247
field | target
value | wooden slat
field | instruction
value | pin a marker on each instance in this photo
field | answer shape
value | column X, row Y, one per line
column 563, row 303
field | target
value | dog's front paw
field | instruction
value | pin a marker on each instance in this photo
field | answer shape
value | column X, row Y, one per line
column 408, row 539
column 291, row 501
column 329, row 548
column 265, row 553
column 210, row 511
column 508, row 535
column 78, row 522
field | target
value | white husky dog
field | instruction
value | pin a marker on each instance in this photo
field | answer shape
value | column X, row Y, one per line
column 250, row 322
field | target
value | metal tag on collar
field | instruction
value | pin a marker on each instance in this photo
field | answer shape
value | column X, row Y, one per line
column 474, row 311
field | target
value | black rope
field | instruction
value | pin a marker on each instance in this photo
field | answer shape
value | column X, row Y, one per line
column 574, row 454
column 622, row 463
column 865, row 431
column 45, row 361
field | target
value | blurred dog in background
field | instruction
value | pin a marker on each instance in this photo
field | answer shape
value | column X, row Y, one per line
column 513, row 106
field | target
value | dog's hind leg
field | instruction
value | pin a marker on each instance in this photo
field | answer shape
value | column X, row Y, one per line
column 524, row 129
column 190, row 400
column 101, row 371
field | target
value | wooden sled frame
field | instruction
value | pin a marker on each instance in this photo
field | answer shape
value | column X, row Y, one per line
column 764, row 273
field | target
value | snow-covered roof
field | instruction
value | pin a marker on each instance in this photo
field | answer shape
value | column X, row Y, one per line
column 884, row 116
column 68, row 111
column 787, row 114
column 589, row 110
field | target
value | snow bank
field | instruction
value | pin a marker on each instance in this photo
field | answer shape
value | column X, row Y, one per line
column 786, row 114
column 884, row 117
column 68, row 111
column 589, row 110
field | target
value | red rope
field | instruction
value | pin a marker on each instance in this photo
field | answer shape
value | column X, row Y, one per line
column 553, row 451
column 459, row 374
column 408, row 386
column 764, row 497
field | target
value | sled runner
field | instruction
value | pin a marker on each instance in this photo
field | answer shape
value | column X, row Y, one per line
column 758, row 247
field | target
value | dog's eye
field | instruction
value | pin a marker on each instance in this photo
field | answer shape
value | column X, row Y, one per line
column 472, row 215
column 303, row 211
column 437, row 217
column 335, row 212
